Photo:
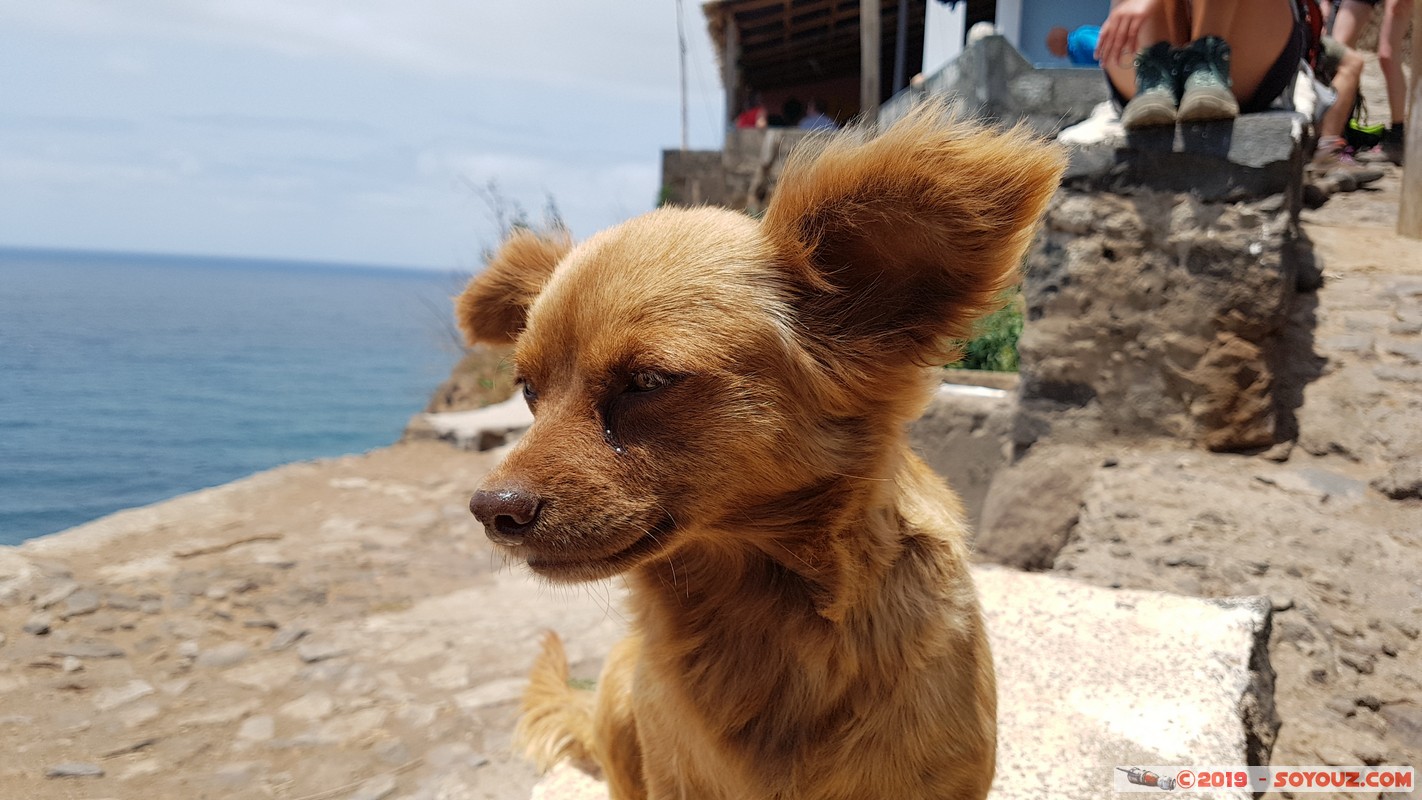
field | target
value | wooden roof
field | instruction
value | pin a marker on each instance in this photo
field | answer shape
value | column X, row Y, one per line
column 789, row 42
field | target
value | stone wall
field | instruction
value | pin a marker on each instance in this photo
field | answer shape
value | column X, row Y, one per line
column 993, row 82
column 1160, row 290
column 741, row 176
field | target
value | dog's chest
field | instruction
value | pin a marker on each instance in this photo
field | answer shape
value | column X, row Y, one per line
column 748, row 718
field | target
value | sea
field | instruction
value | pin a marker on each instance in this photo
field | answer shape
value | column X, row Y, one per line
column 128, row 379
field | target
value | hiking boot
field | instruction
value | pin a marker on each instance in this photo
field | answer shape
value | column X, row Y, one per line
column 1394, row 141
column 1156, row 96
column 1205, row 84
column 1349, row 175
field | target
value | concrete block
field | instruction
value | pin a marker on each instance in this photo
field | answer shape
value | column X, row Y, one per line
column 1253, row 156
column 1092, row 678
column 480, row 429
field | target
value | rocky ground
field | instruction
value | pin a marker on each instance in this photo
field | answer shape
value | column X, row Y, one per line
column 1330, row 530
column 328, row 630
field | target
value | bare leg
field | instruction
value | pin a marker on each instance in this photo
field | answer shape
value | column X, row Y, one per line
column 1154, row 27
column 1345, row 83
column 1329, row 171
column 1257, row 32
column 1177, row 21
column 1396, row 16
column 1212, row 18
column 1353, row 16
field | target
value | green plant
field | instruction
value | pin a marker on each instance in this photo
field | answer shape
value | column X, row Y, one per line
column 994, row 347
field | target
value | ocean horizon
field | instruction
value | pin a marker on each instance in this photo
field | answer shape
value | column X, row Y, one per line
column 130, row 378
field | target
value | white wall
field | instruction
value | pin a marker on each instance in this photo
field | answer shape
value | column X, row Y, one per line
column 1009, row 21
column 943, row 34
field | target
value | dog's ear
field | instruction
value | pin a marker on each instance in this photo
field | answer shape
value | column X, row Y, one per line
column 494, row 305
column 895, row 244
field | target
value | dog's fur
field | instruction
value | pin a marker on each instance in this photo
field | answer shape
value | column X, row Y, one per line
column 720, row 411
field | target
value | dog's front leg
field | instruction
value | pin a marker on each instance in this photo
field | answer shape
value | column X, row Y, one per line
column 619, row 751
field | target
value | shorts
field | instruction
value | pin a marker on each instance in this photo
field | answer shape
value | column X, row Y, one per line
column 1281, row 75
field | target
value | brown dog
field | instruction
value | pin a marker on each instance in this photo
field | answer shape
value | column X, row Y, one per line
column 720, row 410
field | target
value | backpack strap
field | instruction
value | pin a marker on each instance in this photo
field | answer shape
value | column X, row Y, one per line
column 1311, row 15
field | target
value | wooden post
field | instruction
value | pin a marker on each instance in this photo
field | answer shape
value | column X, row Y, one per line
column 901, row 48
column 1409, row 211
column 869, row 60
column 730, row 65
column 681, row 53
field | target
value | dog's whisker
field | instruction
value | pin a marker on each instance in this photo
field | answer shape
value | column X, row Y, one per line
column 601, row 601
column 860, row 477
column 793, row 554
column 688, row 585
column 671, row 562
column 612, row 608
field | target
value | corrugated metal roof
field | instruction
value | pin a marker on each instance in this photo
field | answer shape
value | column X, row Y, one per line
column 788, row 42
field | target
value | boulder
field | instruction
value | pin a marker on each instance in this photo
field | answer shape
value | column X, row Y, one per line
column 1032, row 506
column 1403, row 479
column 1161, row 290
column 16, row 574
column 482, row 377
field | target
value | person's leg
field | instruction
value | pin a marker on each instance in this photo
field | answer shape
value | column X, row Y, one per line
column 1352, row 17
column 1177, row 21
column 1396, row 16
column 1257, row 32
column 1345, row 83
column 1212, row 18
column 1135, row 51
column 1331, row 169
column 1203, row 65
column 1236, row 47
column 1120, row 67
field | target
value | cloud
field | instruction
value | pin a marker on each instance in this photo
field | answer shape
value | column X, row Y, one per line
column 127, row 63
column 70, row 173
column 339, row 129
column 590, row 196
column 631, row 46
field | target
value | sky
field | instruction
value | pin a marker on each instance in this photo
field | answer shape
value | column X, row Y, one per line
column 353, row 131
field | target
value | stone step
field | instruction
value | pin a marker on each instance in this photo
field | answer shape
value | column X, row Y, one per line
column 1092, row 678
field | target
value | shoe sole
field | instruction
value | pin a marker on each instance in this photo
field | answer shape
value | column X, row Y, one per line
column 1207, row 105
column 1145, row 111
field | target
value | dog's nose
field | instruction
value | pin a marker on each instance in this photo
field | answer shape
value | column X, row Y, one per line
column 507, row 513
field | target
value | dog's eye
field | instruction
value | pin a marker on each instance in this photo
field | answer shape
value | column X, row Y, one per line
column 529, row 395
column 647, row 381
